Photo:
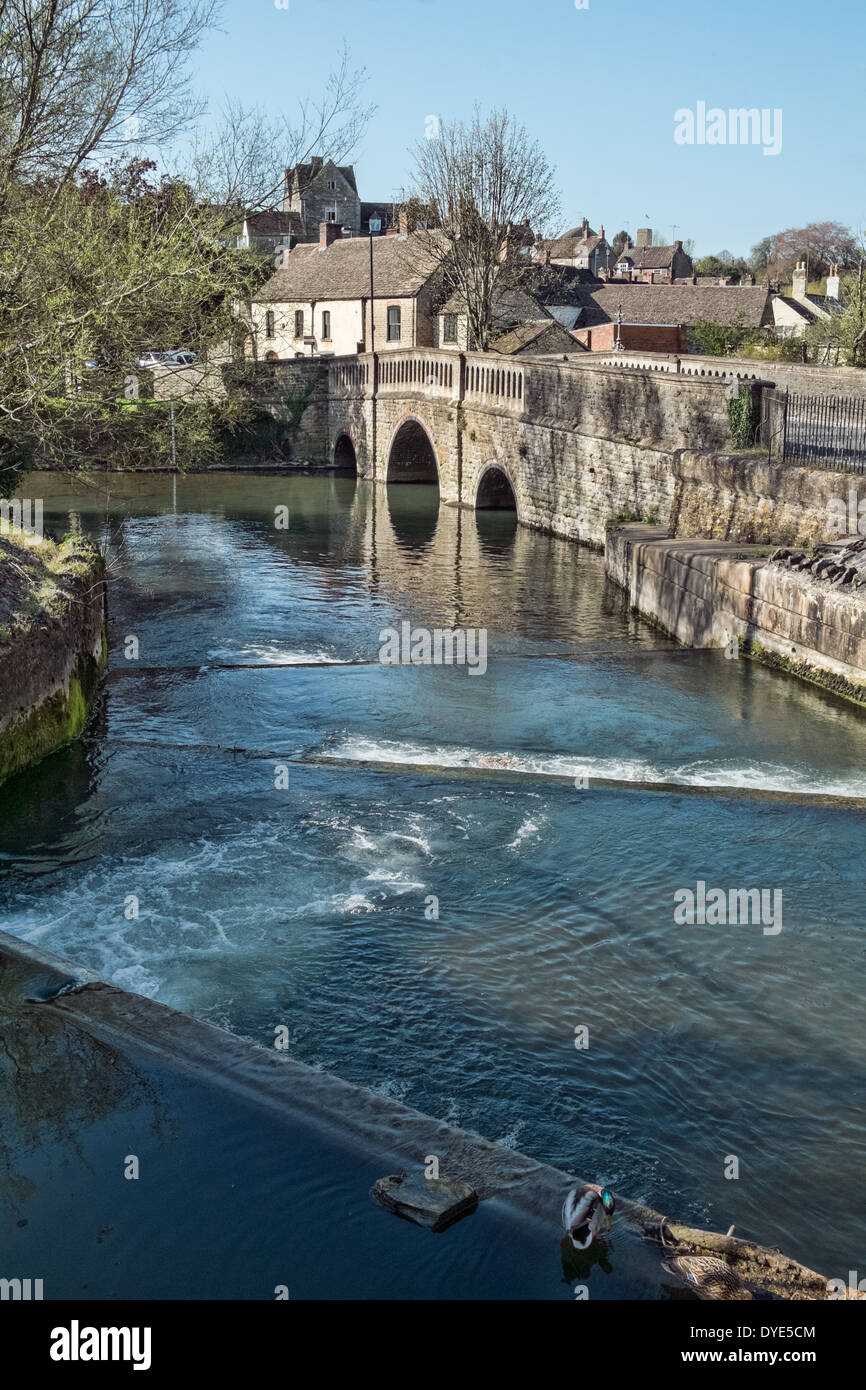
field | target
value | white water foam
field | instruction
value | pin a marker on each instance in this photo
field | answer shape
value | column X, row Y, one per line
column 721, row 774
column 272, row 654
column 529, row 830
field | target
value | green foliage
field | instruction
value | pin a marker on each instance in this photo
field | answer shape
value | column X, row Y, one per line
column 743, row 418
column 619, row 242
column 712, row 265
column 104, row 270
column 843, row 338
column 719, row 339
column 771, row 348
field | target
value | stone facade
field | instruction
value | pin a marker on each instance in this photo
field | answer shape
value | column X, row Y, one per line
column 579, row 446
column 323, row 192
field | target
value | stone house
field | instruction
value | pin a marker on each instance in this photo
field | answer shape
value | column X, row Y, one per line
column 270, row 229
column 321, row 191
column 656, row 265
column 520, row 323
column 581, row 248
column 795, row 312
column 655, row 317
column 317, row 303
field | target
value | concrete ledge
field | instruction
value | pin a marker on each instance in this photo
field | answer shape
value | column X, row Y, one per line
column 706, row 593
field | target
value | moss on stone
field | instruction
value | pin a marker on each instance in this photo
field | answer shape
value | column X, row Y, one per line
column 56, row 722
column 47, row 602
column 803, row 670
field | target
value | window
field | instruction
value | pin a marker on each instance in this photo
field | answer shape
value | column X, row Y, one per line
column 332, row 183
column 393, row 323
column 299, row 323
column 449, row 328
column 332, row 216
column 326, row 323
column 269, row 324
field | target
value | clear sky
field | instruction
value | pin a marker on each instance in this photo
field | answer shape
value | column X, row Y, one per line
column 599, row 88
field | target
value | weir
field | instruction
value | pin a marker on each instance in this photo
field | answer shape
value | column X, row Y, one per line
column 157, row 1054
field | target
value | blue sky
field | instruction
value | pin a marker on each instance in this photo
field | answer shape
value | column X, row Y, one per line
column 599, row 88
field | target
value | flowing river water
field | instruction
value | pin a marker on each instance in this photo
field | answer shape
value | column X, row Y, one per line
column 466, row 868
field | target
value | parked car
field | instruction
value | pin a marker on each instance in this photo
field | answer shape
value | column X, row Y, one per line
column 179, row 359
column 152, row 359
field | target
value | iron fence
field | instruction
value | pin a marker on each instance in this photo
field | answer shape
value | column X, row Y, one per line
column 825, row 430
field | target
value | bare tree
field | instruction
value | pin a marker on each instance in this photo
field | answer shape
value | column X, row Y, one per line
column 820, row 244
column 86, row 78
column 492, row 188
column 243, row 163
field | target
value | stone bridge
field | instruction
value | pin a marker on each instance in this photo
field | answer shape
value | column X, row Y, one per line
column 570, row 445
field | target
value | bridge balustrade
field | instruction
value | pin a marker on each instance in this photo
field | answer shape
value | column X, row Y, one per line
column 494, row 382
column 432, row 374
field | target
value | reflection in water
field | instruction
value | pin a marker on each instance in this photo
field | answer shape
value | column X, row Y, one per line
column 414, row 512
column 497, row 531
column 556, row 895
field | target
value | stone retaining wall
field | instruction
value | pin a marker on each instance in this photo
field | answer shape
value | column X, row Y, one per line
column 706, row 593
column 50, row 661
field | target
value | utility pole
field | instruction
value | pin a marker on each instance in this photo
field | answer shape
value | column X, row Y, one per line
column 375, row 226
column 173, row 446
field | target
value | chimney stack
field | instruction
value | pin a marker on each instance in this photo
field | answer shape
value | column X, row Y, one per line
column 404, row 223
column 799, row 287
column 584, row 229
column 834, row 283
column 329, row 232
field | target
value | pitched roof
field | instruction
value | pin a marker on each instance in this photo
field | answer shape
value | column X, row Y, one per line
column 523, row 335
column 272, row 222
column 385, row 210
column 801, row 309
column 305, row 174
column 672, row 304
column 511, row 305
column 401, row 266
column 649, row 257
column 573, row 243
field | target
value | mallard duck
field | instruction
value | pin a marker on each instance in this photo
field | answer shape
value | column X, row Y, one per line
column 584, row 1211
column 708, row 1277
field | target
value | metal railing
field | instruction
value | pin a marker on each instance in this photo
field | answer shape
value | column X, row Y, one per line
column 825, row 430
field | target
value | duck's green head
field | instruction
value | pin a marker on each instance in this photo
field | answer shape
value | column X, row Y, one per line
column 607, row 1200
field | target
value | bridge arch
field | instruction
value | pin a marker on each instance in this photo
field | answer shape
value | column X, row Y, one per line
column 495, row 490
column 345, row 456
column 412, row 457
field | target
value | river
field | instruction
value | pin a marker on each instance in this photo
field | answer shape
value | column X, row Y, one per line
column 432, row 876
